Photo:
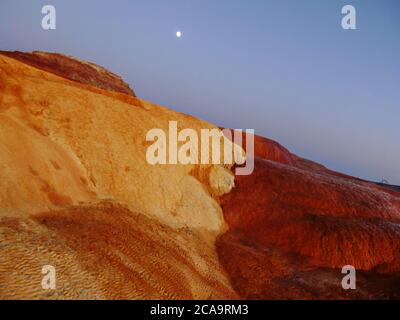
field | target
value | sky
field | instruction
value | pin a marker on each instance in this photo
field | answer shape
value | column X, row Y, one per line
column 285, row 68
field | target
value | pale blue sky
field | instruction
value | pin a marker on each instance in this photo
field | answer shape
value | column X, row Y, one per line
column 284, row 67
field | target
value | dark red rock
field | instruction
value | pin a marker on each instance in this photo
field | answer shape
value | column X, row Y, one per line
column 293, row 224
column 269, row 149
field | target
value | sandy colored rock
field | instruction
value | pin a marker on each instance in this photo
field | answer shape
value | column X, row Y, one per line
column 222, row 180
column 105, row 251
column 67, row 145
column 105, row 135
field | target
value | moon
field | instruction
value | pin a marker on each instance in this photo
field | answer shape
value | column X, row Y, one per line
column 179, row 34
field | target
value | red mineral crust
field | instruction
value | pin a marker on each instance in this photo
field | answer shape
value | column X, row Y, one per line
column 269, row 149
column 294, row 224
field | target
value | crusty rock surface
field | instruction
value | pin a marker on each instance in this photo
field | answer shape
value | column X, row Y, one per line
column 292, row 227
column 76, row 192
column 68, row 146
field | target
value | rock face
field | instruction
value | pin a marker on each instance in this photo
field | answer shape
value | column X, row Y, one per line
column 293, row 225
column 65, row 148
column 77, row 193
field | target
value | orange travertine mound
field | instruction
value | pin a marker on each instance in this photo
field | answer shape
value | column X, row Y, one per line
column 65, row 147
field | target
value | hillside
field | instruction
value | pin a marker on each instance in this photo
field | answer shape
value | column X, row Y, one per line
column 76, row 192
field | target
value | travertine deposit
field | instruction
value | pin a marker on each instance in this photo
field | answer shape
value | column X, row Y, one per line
column 293, row 225
column 65, row 148
column 77, row 193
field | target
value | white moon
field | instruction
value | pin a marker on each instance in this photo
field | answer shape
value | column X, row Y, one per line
column 178, row 34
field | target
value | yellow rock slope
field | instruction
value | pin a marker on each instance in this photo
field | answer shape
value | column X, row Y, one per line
column 77, row 193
